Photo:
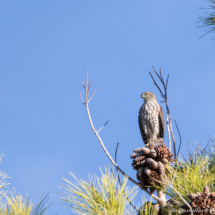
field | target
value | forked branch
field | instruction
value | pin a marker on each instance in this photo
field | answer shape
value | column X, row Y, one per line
column 86, row 102
column 168, row 116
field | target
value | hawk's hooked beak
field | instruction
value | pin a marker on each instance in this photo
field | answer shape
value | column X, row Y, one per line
column 141, row 95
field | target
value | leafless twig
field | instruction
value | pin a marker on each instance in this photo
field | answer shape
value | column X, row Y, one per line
column 173, row 137
column 103, row 126
column 100, row 140
column 92, row 95
column 81, row 98
column 116, row 162
column 90, row 83
column 180, row 138
column 168, row 117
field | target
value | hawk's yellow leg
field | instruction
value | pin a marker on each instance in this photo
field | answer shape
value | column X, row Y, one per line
column 150, row 141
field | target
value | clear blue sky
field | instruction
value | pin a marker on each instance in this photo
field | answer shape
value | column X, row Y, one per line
column 45, row 49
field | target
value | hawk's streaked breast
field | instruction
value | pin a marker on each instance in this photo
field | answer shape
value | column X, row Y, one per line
column 151, row 121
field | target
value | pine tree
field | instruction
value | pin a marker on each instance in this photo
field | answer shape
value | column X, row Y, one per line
column 188, row 184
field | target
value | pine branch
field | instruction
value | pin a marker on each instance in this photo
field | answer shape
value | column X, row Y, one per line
column 208, row 21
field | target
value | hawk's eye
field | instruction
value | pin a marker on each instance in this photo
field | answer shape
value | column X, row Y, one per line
column 146, row 94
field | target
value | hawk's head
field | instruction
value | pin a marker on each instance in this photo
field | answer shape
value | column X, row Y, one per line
column 148, row 96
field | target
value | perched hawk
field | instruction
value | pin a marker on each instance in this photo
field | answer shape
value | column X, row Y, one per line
column 151, row 119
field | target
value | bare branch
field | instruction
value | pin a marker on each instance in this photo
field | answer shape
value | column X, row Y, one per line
column 173, row 137
column 116, row 162
column 168, row 116
column 167, row 81
column 92, row 95
column 191, row 210
column 90, row 83
column 162, row 81
column 104, row 148
column 83, row 84
column 180, row 138
column 81, row 98
column 159, row 76
column 116, row 152
column 157, row 85
column 168, row 129
column 102, row 126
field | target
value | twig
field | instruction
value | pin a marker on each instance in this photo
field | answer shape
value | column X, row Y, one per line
column 103, row 126
column 105, row 150
column 116, row 157
column 162, row 95
column 173, row 137
column 180, row 138
column 132, row 205
column 90, row 82
column 83, row 84
column 167, row 81
column 168, row 117
column 92, row 95
column 167, row 125
column 81, row 98
column 102, row 144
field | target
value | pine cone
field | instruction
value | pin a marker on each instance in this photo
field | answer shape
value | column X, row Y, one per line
column 150, row 161
column 157, row 151
column 201, row 203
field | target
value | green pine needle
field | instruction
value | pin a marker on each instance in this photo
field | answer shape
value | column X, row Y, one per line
column 99, row 196
column 208, row 21
column 191, row 176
